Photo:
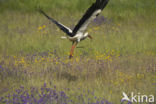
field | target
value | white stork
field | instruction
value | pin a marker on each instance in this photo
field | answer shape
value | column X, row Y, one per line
column 79, row 32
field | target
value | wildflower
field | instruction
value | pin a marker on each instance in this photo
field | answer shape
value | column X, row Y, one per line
column 122, row 80
column 57, row 62
column 36, row 61
column 119, row 24
column 140, row 76
column 0, row 67
column 96, row 28
column 117, row 55
column 44, row 26
column 22, row 60
column 39, row 28
column 50, row 54
column 110, row 91
column 77, row 59
column 16, row 63
column 42, row 59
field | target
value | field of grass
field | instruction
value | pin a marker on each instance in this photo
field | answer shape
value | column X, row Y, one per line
column 34, row 64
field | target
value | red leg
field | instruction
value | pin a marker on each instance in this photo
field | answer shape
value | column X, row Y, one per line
column 72, row 49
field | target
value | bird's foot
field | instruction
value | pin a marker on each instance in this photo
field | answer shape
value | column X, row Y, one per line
column 70, row 56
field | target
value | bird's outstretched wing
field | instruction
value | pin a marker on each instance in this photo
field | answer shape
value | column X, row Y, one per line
column 90, row 14
column 67, row 30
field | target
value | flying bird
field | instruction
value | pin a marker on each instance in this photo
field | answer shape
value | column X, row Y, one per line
column 79, row 32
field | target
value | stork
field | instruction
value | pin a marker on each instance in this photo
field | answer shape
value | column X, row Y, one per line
column 79, row 32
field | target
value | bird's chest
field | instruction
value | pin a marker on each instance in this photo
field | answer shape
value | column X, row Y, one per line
column 78, row 37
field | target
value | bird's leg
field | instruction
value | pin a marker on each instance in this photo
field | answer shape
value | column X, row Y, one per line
column 89, row 36
column 72, row 50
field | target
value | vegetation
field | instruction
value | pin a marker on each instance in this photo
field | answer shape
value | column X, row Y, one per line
column 121, row 57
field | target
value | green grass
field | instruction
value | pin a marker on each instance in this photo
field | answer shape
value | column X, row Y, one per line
column 129, row 33
column 125, row 37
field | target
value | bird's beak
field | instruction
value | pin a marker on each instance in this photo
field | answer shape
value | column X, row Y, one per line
column 89, row 36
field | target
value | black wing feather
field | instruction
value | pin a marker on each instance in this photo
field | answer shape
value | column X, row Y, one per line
column 99, row 4
column 63, row 28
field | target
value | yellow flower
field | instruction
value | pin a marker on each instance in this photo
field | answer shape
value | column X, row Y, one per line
column 119, row 24
column 140, row 76
column 57, row 63
column 44, row 26
column 16, row 63
column 122, row 80
column 39, row 28
column 77, row 59
column 42, row 59
column 110, row 91
column 22, row 60
column 96, row 28
column 36, row 61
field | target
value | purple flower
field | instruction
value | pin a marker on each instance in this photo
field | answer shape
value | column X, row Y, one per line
column 99, row 20
column 47, row 95
column 44, row 84
column 1, row 67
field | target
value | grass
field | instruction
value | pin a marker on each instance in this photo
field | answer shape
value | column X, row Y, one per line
column 120, row 58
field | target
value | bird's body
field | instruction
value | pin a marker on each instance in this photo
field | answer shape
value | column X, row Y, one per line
column 79, row 32
column 78, row 37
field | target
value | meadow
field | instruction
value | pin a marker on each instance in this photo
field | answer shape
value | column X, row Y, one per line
column 34, row 64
